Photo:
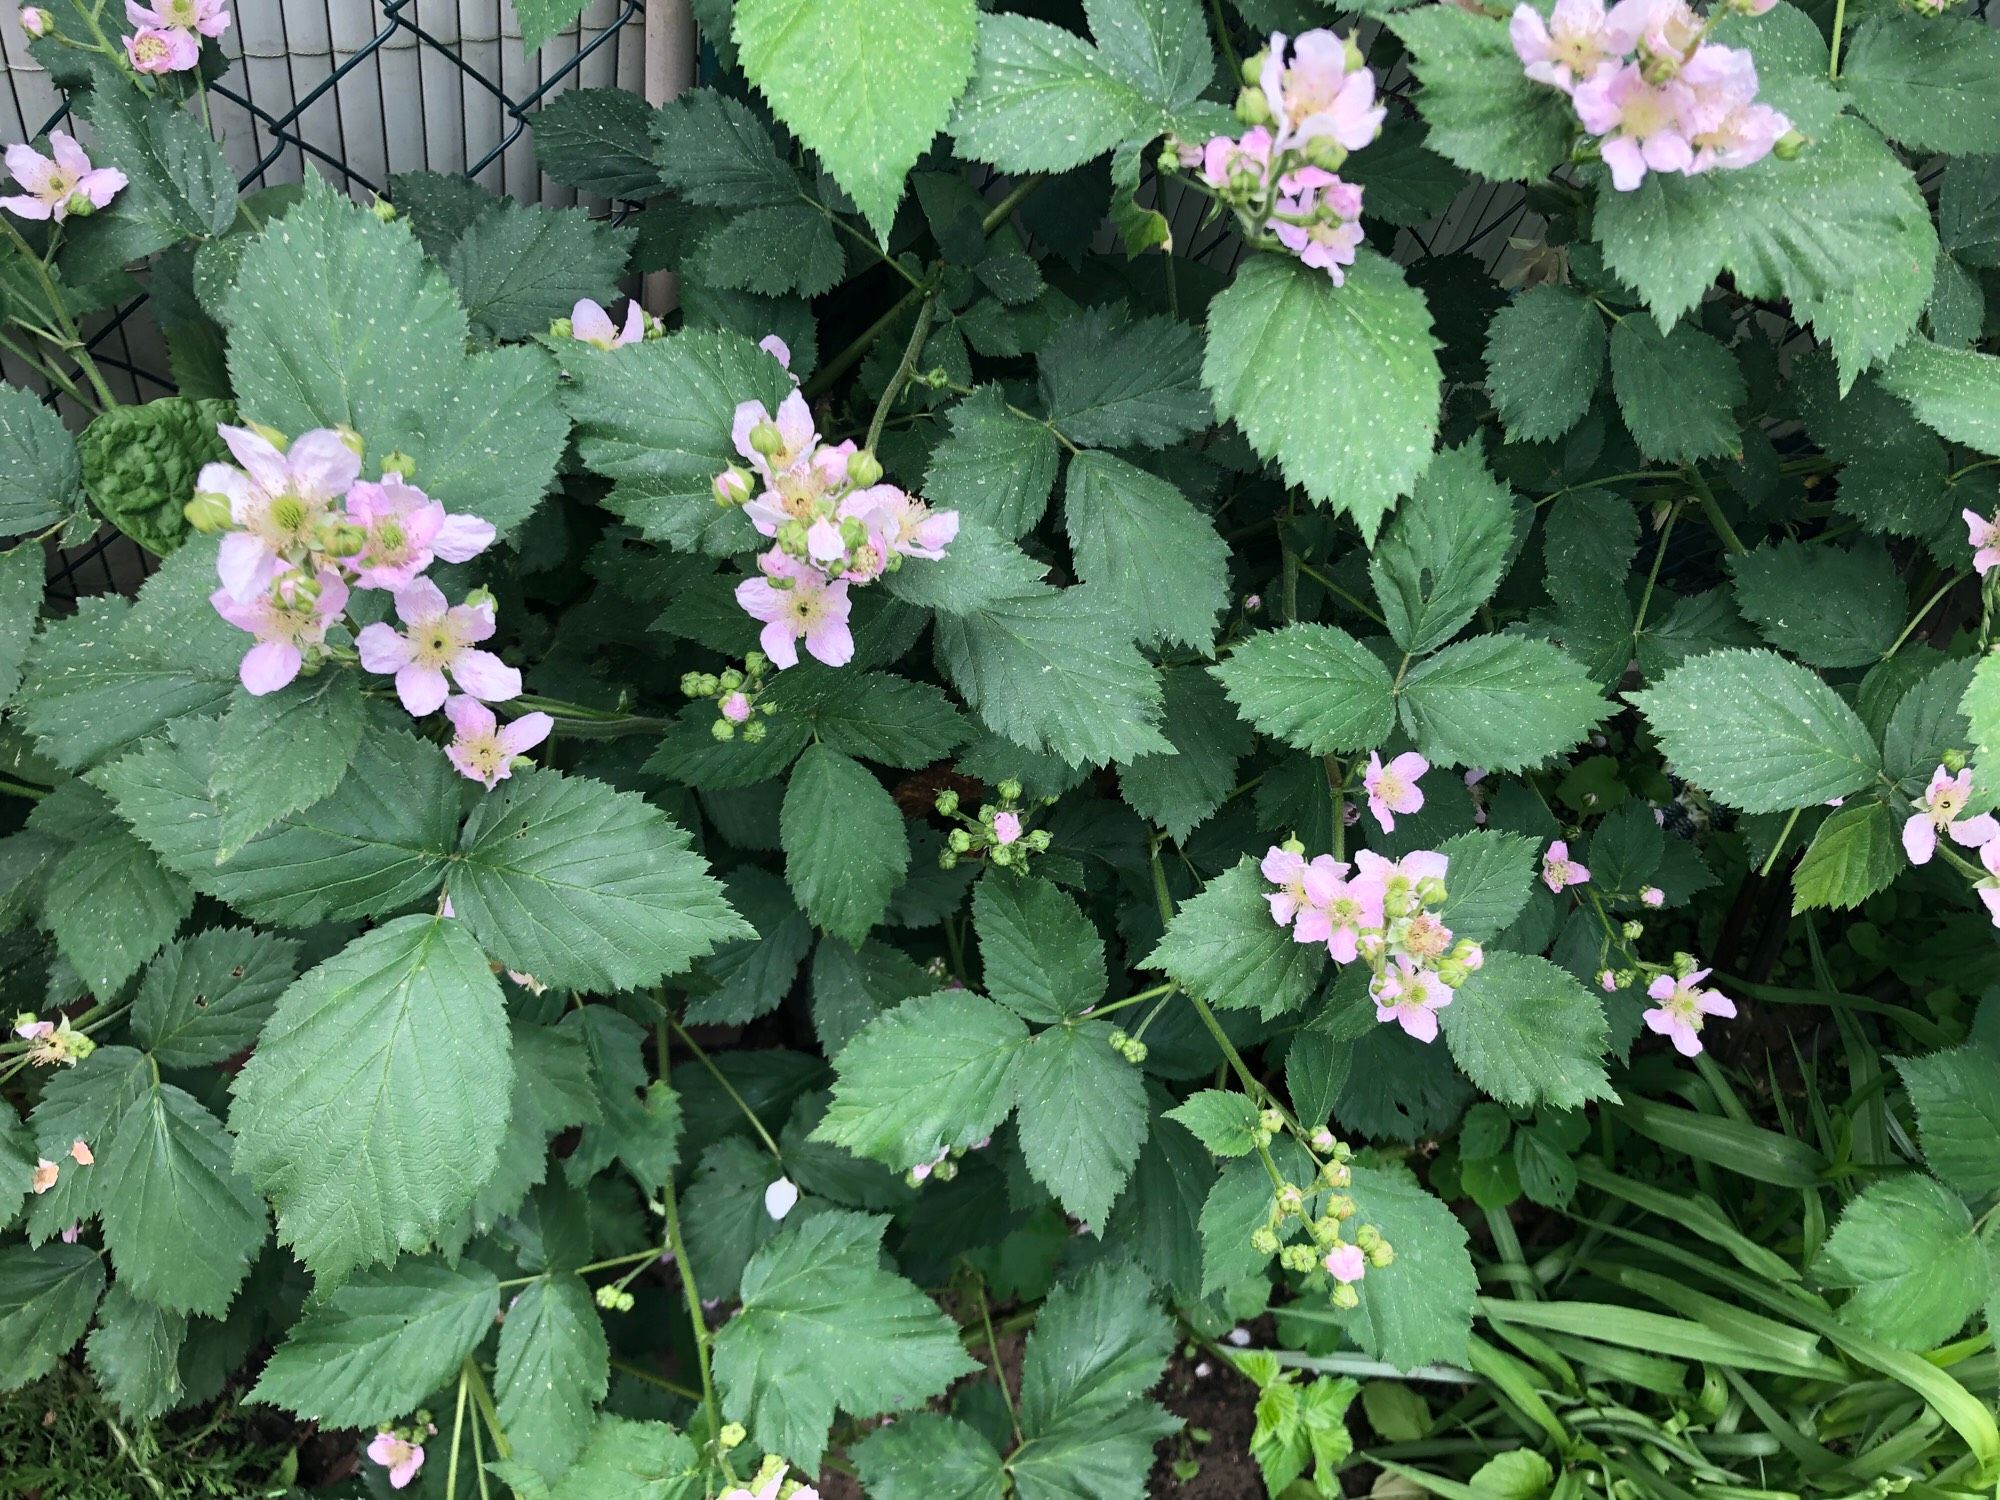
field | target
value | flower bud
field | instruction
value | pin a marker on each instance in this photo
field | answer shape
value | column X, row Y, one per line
column 383, row 209
column 354, row 441
column 863, row 468
column 80, row 206
column 732, row 487
column 947, row 802
column 1010, row 790
column 947, row 860
column 1252, row 108
column 709, row 684
column 735, row 707
column 1633, row 930
column 1452, row 973
column 79, row 1046
column 1168, row 162
column 1431, row 891
column 731, row 1437
column 1253, row 65
column 945, row 1170
column 1298, row 1258
column 1325, row 152
column 766, row 439
column 730, row 680
column 36, row 21
column 1270, row 1121
column 1607, row 980
column 1469, row 954
column 960, row 840
column 1038, row 840
column 691, row 685
column 1788, row 146
column 1381, row 1255
column 792, row 537
column 1136, row 1052
column 1344, row 1295
column 399, row 464
column 270, row 435
column 561, row 328
column 1351, row 54
column 1652, row 895
column 722, row 729
column 753, row 732
column 1324, row 1230
column 1953, row 760
column 344, row 538
column 1264, row 1240
column 1118, row 1039
column 1336, row 1174
column 1289, row 1200
column 1292, row 846
column 1002, row 855
column 1368, row 1237
column 208, row 512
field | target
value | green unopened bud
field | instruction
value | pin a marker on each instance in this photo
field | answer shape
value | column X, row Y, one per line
column 753, row 732
column 722, row 729
column 383, row 209
column 766, row 439
column 1167, row 162
column 947, row 802
column 1788, row 146
column 80, row 206
column 1325, row 152
column 1453, row 973
column 79, row 1046
column 1382, row 1255
column 208, row 512
column 1298, row 1258
column 863, row 468
column 691, row 685
column 1336, row 1174
column 1136, row 1052
column 1270, row 1121
column 1324, row 1230
column 1292, row 846
column 1010, row 790
column 1038, row 840
column 755, row 663
column 561, row 328
column 356, row 444
column 270, row 435
column 1367, row 1236
column 730, row 680
column 1289, row 1200
column 792, row 537
column 945, row 1170
column 399, row 464
column 1118, row 1039
column 1431, row 891
column 707, row 685
column 1264, row 1240
column 1352, row 54
column 1633, row 930
column 1252, row 108
column 1253, row 66
column 607, row 1296
column 1954, row 760
column 731, row 1437
column 852, row 533
column 960, row 840
column 1002, row 855
column 947, row 860
column 1344, row 1295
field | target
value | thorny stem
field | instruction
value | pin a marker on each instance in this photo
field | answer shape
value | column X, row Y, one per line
column 904, row 368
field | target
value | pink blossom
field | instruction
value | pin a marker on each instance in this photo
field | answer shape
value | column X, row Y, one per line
column 906, row 524
column 1652, row 895
column 1224, row 158
column 1411, row 997
column 60, row 183
column 1393, row 788
column 401, row 1457
column 280, row 503
column 484, row 750
column 1346, row 1263
column 1573, row 44
column 406, row 531
column 801, row 491
column 1642, row 124
column 1418, row 866
column 1286, row 870
column 207, row 17
column 1006, row 827
column 1339, row 909
column 592, row 325
column 1983, row 535
column 440, row 639
column 1559, row 871
column 1312, row 94
column 796, row 602
column 1988, row 885
column 34, row 1031
column 796, row 438
column 288, row 618
column 36, row 21
column 72, row 1233
column 45, row 1174
column 1940, row 812
column 1684, row 1008
column 1607, row 980
column 736, row 707
column 1726, row 125
column 154, row 49
column 1330, row 241
column 1666, row 29
column 781, row 351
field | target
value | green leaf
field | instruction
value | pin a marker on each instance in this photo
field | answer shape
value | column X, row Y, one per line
column 994, row 466
column 1099, row 1345
column 82, row 1103
column 135, row 1354
column 1110, row 382
column 371, row 1349
column 1928, row 721
column 1181, row 790
column 1528, row 1034
column 1842, row 233
column 1907, row 1249
column 927, row 1456
column 1040, row 956
column 598, row 141
column 1238, row 1203
column 1054, row 670
column 377, row 845
column 493, row 451
column 553, row 1367
column 584, row 887
column 785, row 247
column 1042, row 100
column 982, row 571
column 1969, row 210
column 1444, row 553
column 743, row 980
column 46, row 1299
column 1483, row 113
column 713, row 150
column 1142, row 545
column 521, row 266
column 845, row 847
column 178, row 186
column 114, row 673
column 1854, row 855
column 1082, row 1116
column 1953, row 391
column 1932, row 83
column 655, row 418
column 1676, row 391
column 641, row 1123
column 1338, row 384
column 1500, row 701
column 1489, row 880
column 852, row 986
column 634, row 1461
column 929, row 1076
column 823, row 1325
column 1761, row 733
column 1419, row 1307
column 1159, row 1214
column 542, row 19
column 1957, row 1095
column 1223, row 946
column 373, row 1108
column 1830, row 606
column 41, row 478
column 1404, row 181
column 866, row 84
column 109, row 903
column 282, row 752
column 140, row 463
column 183, row 1227
column 1221, row 1119
column 1981, row 704
column 888, row 719
column 1312, row 686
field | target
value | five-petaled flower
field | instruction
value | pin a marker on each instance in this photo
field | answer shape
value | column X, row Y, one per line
column 1942, row 810
column 440, row 638
column 60, row 184
column 162, row 49
column 280, row 503
column 592, row 325
column 1559, row 871
column 482, row 748
column 1983, row 536
column 289, row 618
column 405, row 531
column 797, row 603
column 1683, row 1009
column 401, row 1457
column 1393, row 788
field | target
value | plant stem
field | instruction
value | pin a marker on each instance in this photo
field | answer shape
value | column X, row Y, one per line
column 842, row 362
column 695, row 1315
column 1915, row 620
column 993, row 1349
column 735, row 1098
column 1771, row 859
column 904, row 367
column 639, row 1372
column 1338, row 592
column 1002, row 211
column 1222, row 38
column 1833, row 51
column 457, row 1432
column 483, row 1399
column 1653, row 577
column 1711, row 509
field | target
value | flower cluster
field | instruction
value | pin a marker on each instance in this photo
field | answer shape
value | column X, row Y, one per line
column 168, row 34
column 51, row 1043
column 400, row 1450
column 835, row 524
column 61, row 185
column 1308, row 103
column 1384, row 913
column 1648, row 85
column 999, row 833
column 736, row 695
column 1327, row 1255
column 302, row 529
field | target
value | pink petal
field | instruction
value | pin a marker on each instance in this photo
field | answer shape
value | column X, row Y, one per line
column 381, row 649
column 422, row 689
column 420, row 602
column 526, row 732
column 462, row 538
column 245, row 565
column 485, row 676
column 778, row 643
column 268, row 666
column 471, row 718
column 1919, row 838
column 1972, row 832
